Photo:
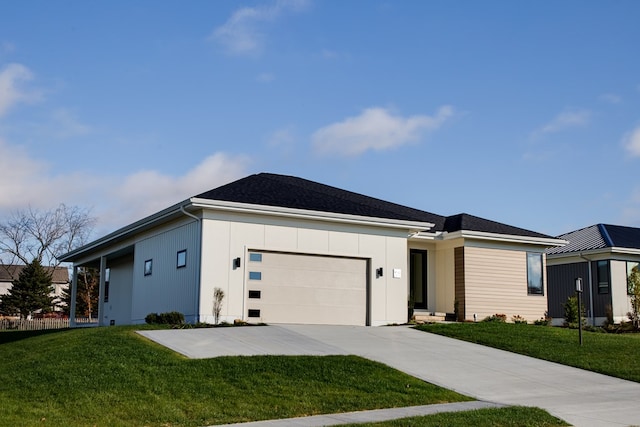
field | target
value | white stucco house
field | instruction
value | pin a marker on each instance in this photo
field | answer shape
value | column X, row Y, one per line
column 288, row 250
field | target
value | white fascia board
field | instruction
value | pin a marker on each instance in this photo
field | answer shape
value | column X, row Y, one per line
column 608, row 251
column 125, row 231
column 412, row 226
column 510, row 238
column 628, row 251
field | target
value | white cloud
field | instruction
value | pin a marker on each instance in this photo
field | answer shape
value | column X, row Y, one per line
column 265, row 77
column 7, row 47
column 611, row 98
column 146, row 192
column 66, row 124
column 375, row 129
column 566, row 120
column 27, row 181
column 242, row 35
column 11, row 91
column 631, row 142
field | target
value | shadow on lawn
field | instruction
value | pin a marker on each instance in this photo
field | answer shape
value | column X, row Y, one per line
column 8, row 336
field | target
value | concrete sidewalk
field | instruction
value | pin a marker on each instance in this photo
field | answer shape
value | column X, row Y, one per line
column 376, row 415
column 580, row 397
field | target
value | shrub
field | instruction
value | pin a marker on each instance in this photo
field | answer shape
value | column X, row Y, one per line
column 571, row 313
column 500, row 318
column 518, row 320
column 170, row 318
column 544, row 320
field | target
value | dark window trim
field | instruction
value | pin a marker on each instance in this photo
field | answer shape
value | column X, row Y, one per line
column 253, row 312
column 148, row 267
column 535, row 290
column 255, row 294
column 604, row 286
column 183, row 263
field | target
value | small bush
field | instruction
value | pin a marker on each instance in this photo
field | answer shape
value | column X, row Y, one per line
column 518, row 320
column 170, row 318
column 571, row 313
column 500, row 318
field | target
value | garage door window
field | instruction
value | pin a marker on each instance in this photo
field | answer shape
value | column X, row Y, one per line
column 255, row 257
column 255, row 275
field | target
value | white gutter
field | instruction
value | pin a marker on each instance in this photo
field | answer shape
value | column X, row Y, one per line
column 413, row 226
column 593, row 318
column 510, row 238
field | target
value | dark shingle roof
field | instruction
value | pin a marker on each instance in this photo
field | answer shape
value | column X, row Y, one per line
column 599, row 236
column 297, row 193
column 468, row 222
column 9, row 273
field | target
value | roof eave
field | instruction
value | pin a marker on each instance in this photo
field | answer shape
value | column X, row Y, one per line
column 411, row 226
column 125, row 232
column 506, row 238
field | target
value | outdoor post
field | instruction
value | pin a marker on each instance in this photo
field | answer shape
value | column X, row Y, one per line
column 579, row 296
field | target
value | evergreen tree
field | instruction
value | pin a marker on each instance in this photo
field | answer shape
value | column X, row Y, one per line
column 30, row 292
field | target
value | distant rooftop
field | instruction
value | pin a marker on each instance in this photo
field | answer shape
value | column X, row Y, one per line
column 599, row 236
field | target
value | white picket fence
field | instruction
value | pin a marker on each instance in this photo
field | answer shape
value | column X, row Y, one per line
column 39, row 324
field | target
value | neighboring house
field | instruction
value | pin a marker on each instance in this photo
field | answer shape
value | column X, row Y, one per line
column 603, row 256
column 59, row 279
column 288, row 250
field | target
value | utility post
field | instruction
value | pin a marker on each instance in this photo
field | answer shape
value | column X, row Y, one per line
column 579, row 297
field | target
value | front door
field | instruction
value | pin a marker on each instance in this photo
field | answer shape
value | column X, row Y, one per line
column 418, row 278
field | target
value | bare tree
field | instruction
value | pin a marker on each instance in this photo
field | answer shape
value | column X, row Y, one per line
column 32, row 234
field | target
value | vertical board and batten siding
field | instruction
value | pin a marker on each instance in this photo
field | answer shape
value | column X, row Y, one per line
column 495, row 282
column 459, row 279
column 561, row 286
column 118, row 308
column 228, row 237
column 168, row 288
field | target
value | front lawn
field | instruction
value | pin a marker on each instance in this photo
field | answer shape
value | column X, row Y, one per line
column 609, row 354
column 514, row 416
column 113, row 377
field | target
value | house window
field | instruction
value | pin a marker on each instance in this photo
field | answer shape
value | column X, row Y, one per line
column 148, row 267
column 255, row 275
column 534, row 274
column 107, row 274
column 602, row 271
column 181, row 259
column 255, row 257
column 633, row 268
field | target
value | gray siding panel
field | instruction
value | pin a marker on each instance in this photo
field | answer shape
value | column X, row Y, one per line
column 168, row 288
column 561, row 285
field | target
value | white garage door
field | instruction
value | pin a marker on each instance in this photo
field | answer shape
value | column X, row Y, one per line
column 306, row 289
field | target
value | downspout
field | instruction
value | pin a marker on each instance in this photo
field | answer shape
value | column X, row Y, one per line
column 592, row 317
column 198, row 280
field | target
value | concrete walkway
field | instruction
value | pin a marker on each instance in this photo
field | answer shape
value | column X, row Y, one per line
column 582, row 398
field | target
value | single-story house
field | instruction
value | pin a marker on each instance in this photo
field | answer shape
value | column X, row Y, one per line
column 603, row 256
column 59, row 279
column 288, row 250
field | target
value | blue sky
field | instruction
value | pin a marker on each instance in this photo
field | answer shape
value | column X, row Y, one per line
column 527, row 113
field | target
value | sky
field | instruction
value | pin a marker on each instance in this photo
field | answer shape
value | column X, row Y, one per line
column 526, row 113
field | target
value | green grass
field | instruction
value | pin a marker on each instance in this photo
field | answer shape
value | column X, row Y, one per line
column 609, row 354
column 514, row 416
column 113, row 377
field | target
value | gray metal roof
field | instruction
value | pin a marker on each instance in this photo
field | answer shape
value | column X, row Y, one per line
column 599, row 236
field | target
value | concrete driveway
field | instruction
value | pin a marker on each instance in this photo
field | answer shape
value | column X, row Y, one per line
column 580, row 397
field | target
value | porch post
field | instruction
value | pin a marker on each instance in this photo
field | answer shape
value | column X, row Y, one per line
column 74, row 295
column 103, row 268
